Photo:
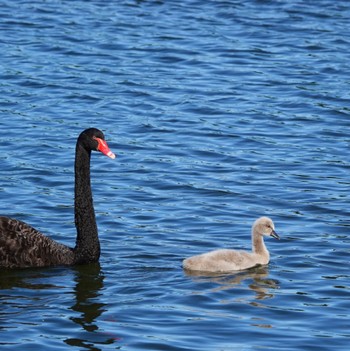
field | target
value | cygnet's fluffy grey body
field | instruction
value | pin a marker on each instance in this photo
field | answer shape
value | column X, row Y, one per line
column 224, row 260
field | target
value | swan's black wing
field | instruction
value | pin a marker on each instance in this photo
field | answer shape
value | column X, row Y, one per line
column 23, row 246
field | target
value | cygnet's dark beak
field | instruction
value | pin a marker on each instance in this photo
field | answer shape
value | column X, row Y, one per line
column 274, row 235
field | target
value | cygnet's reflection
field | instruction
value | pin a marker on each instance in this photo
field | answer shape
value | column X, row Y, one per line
column 259, row 282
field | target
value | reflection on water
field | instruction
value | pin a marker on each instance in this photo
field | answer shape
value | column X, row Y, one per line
column 89, row 283
column 237, row 286
column 257, row 279
column 34, row 289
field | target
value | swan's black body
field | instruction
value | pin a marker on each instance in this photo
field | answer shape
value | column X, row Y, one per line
column 23, row 246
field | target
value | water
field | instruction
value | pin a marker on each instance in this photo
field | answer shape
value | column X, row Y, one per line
column 220, row 112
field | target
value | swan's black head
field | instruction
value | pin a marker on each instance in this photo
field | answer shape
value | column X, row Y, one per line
column 94, row 139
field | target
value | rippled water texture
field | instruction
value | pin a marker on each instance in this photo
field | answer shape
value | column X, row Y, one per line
column 220, row 112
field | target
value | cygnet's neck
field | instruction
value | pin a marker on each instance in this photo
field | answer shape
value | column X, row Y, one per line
column 258, row 243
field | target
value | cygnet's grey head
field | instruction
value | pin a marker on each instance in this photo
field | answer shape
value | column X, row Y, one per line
column 265, row 226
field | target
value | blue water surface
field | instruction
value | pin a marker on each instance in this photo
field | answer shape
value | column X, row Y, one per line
column 220, row 112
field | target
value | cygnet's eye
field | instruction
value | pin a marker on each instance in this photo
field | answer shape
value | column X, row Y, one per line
column 270, row 227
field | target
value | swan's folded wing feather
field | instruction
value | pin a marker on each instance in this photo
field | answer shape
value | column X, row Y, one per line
column 23, row 246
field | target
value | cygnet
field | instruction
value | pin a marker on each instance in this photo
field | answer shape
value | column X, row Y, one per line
column 224, row 260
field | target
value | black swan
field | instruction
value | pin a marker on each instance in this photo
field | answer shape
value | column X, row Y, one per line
column 23, row 246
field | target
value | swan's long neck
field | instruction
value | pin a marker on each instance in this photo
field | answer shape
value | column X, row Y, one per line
column 87, row 247
column 258, row 243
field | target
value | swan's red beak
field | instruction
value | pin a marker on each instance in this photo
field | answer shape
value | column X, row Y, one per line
column 103, row 147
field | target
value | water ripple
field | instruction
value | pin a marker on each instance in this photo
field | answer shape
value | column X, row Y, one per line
column 219, row 112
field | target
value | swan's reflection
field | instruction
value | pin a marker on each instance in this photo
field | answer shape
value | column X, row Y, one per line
column 258, row 281
column 33, row 289
column 89, row 281
column 88, row 305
